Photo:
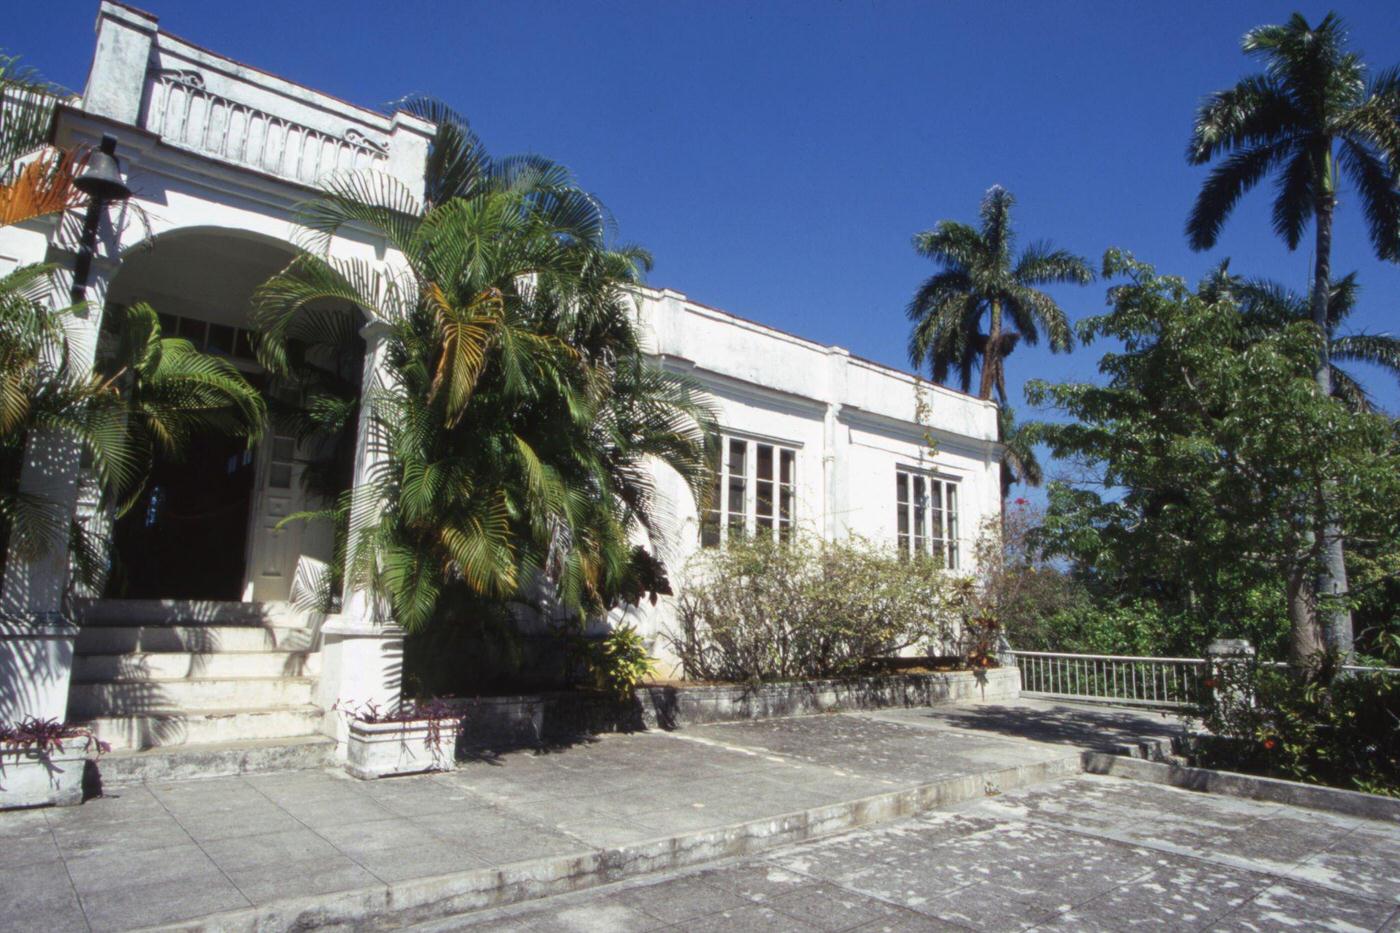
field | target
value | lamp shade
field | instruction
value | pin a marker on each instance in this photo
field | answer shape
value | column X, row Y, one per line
column 101, row 178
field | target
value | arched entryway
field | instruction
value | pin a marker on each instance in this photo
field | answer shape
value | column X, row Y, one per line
column 206, row 526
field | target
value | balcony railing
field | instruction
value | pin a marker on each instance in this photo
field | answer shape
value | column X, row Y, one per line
column 184, row 112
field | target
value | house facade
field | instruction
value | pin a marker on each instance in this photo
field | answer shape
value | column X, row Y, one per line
column 198, row 639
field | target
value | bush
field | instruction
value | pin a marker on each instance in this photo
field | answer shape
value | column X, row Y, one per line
column 618, row 662
column 1317, row 727
column 759, row 611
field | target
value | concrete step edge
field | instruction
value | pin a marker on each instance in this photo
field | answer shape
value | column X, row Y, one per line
column 422, row 899
column 215, row 759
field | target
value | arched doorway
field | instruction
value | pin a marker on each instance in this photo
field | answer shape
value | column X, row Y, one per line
column 206, row 525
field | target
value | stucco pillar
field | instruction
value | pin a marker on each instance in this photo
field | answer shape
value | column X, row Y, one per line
column 117, row 79
column 36, row 628
column 362, row 648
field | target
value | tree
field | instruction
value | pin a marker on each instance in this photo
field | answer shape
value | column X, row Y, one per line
column 1269, row 306
column 519, row 416
column 982, row 278
column 1208, row 443
column 1310, row 112
column 1019, row 463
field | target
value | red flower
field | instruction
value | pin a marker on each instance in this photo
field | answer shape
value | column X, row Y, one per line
column 1020, row 501
column 1269, row 743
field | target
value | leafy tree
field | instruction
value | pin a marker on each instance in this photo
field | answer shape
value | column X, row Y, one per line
column 982, row 278
column 1311, row 112
column 519, row 416
column 1269, row 305
column 1208, row 444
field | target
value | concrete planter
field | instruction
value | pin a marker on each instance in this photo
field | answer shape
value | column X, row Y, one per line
column 383, row 749
column 35, row 779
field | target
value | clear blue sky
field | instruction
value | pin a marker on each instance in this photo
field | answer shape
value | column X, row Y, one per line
column 777, row 157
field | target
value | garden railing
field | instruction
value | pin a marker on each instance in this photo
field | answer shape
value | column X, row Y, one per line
column 1123, row 679
column 1173, row 683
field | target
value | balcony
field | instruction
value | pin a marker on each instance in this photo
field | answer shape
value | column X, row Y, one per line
column 212, row 106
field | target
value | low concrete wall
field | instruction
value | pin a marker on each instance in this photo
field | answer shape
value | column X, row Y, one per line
column 518, row 721
column 1253, row 787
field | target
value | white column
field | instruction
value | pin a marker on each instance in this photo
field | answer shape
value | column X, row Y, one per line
column 36, row 628
column 362, row 648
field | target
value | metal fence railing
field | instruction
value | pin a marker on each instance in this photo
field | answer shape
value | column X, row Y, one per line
column 1109, row 678
column 1173, row 683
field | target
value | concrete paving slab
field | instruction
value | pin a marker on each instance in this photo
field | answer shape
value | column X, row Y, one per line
column 999, row 864
column 279, row 851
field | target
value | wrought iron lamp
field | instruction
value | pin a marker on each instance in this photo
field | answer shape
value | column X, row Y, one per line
column 101, row 181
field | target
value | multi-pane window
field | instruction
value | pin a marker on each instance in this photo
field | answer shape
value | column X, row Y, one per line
column 754, row 491
column 926, row 516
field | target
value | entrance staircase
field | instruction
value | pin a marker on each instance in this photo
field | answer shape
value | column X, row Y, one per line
column 185, row 688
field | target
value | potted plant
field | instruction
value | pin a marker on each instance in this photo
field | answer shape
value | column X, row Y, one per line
column 42, row 762
column 419, row 736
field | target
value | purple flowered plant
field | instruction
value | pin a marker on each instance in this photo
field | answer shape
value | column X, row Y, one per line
column 433, row 711
column 46, row 736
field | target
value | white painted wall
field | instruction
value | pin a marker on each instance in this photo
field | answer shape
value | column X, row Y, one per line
column 853, row 423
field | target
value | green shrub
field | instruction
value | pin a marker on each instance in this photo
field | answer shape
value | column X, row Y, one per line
column 618, row 662
column 1318, row 727
column 760, row 611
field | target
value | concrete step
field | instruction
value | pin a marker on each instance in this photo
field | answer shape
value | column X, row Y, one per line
column 194, row 695
column 127, row 612
column 220, row 759
column 199, row 639
column 179, row 665
column 151, row 730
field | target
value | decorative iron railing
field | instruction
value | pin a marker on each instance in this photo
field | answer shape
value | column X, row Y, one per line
column 186, row 113
column 1138, row 681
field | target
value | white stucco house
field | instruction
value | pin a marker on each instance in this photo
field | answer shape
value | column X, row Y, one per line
column 200, row 643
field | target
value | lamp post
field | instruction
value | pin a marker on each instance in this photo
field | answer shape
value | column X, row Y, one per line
column 101, row 181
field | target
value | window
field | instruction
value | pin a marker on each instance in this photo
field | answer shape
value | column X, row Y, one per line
column 926, row 516
column 754, row 491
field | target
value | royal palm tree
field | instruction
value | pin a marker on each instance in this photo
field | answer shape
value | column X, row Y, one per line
column 1309, row 114
column 982, row 279
column 519, row 415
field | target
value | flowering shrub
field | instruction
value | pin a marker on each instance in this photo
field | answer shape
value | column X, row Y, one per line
column 757, row 610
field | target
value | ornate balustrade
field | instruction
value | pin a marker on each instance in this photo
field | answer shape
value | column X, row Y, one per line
column 186, row 113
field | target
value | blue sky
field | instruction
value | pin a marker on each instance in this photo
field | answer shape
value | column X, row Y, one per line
column 777, row 157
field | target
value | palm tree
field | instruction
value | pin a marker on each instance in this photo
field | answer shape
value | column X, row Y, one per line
column 1019, row 463
column 982, row 278
column 154, row 394
column 519, row 417
column 1269, row 305
column 1310, row 112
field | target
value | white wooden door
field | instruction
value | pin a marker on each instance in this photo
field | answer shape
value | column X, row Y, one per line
column 273, row 552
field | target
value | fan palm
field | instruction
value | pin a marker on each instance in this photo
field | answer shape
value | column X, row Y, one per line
column 518, row 415
column 1311, row 112
column 982, row 279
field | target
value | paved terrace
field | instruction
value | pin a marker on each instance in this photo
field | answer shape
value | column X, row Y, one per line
column 305, row 848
